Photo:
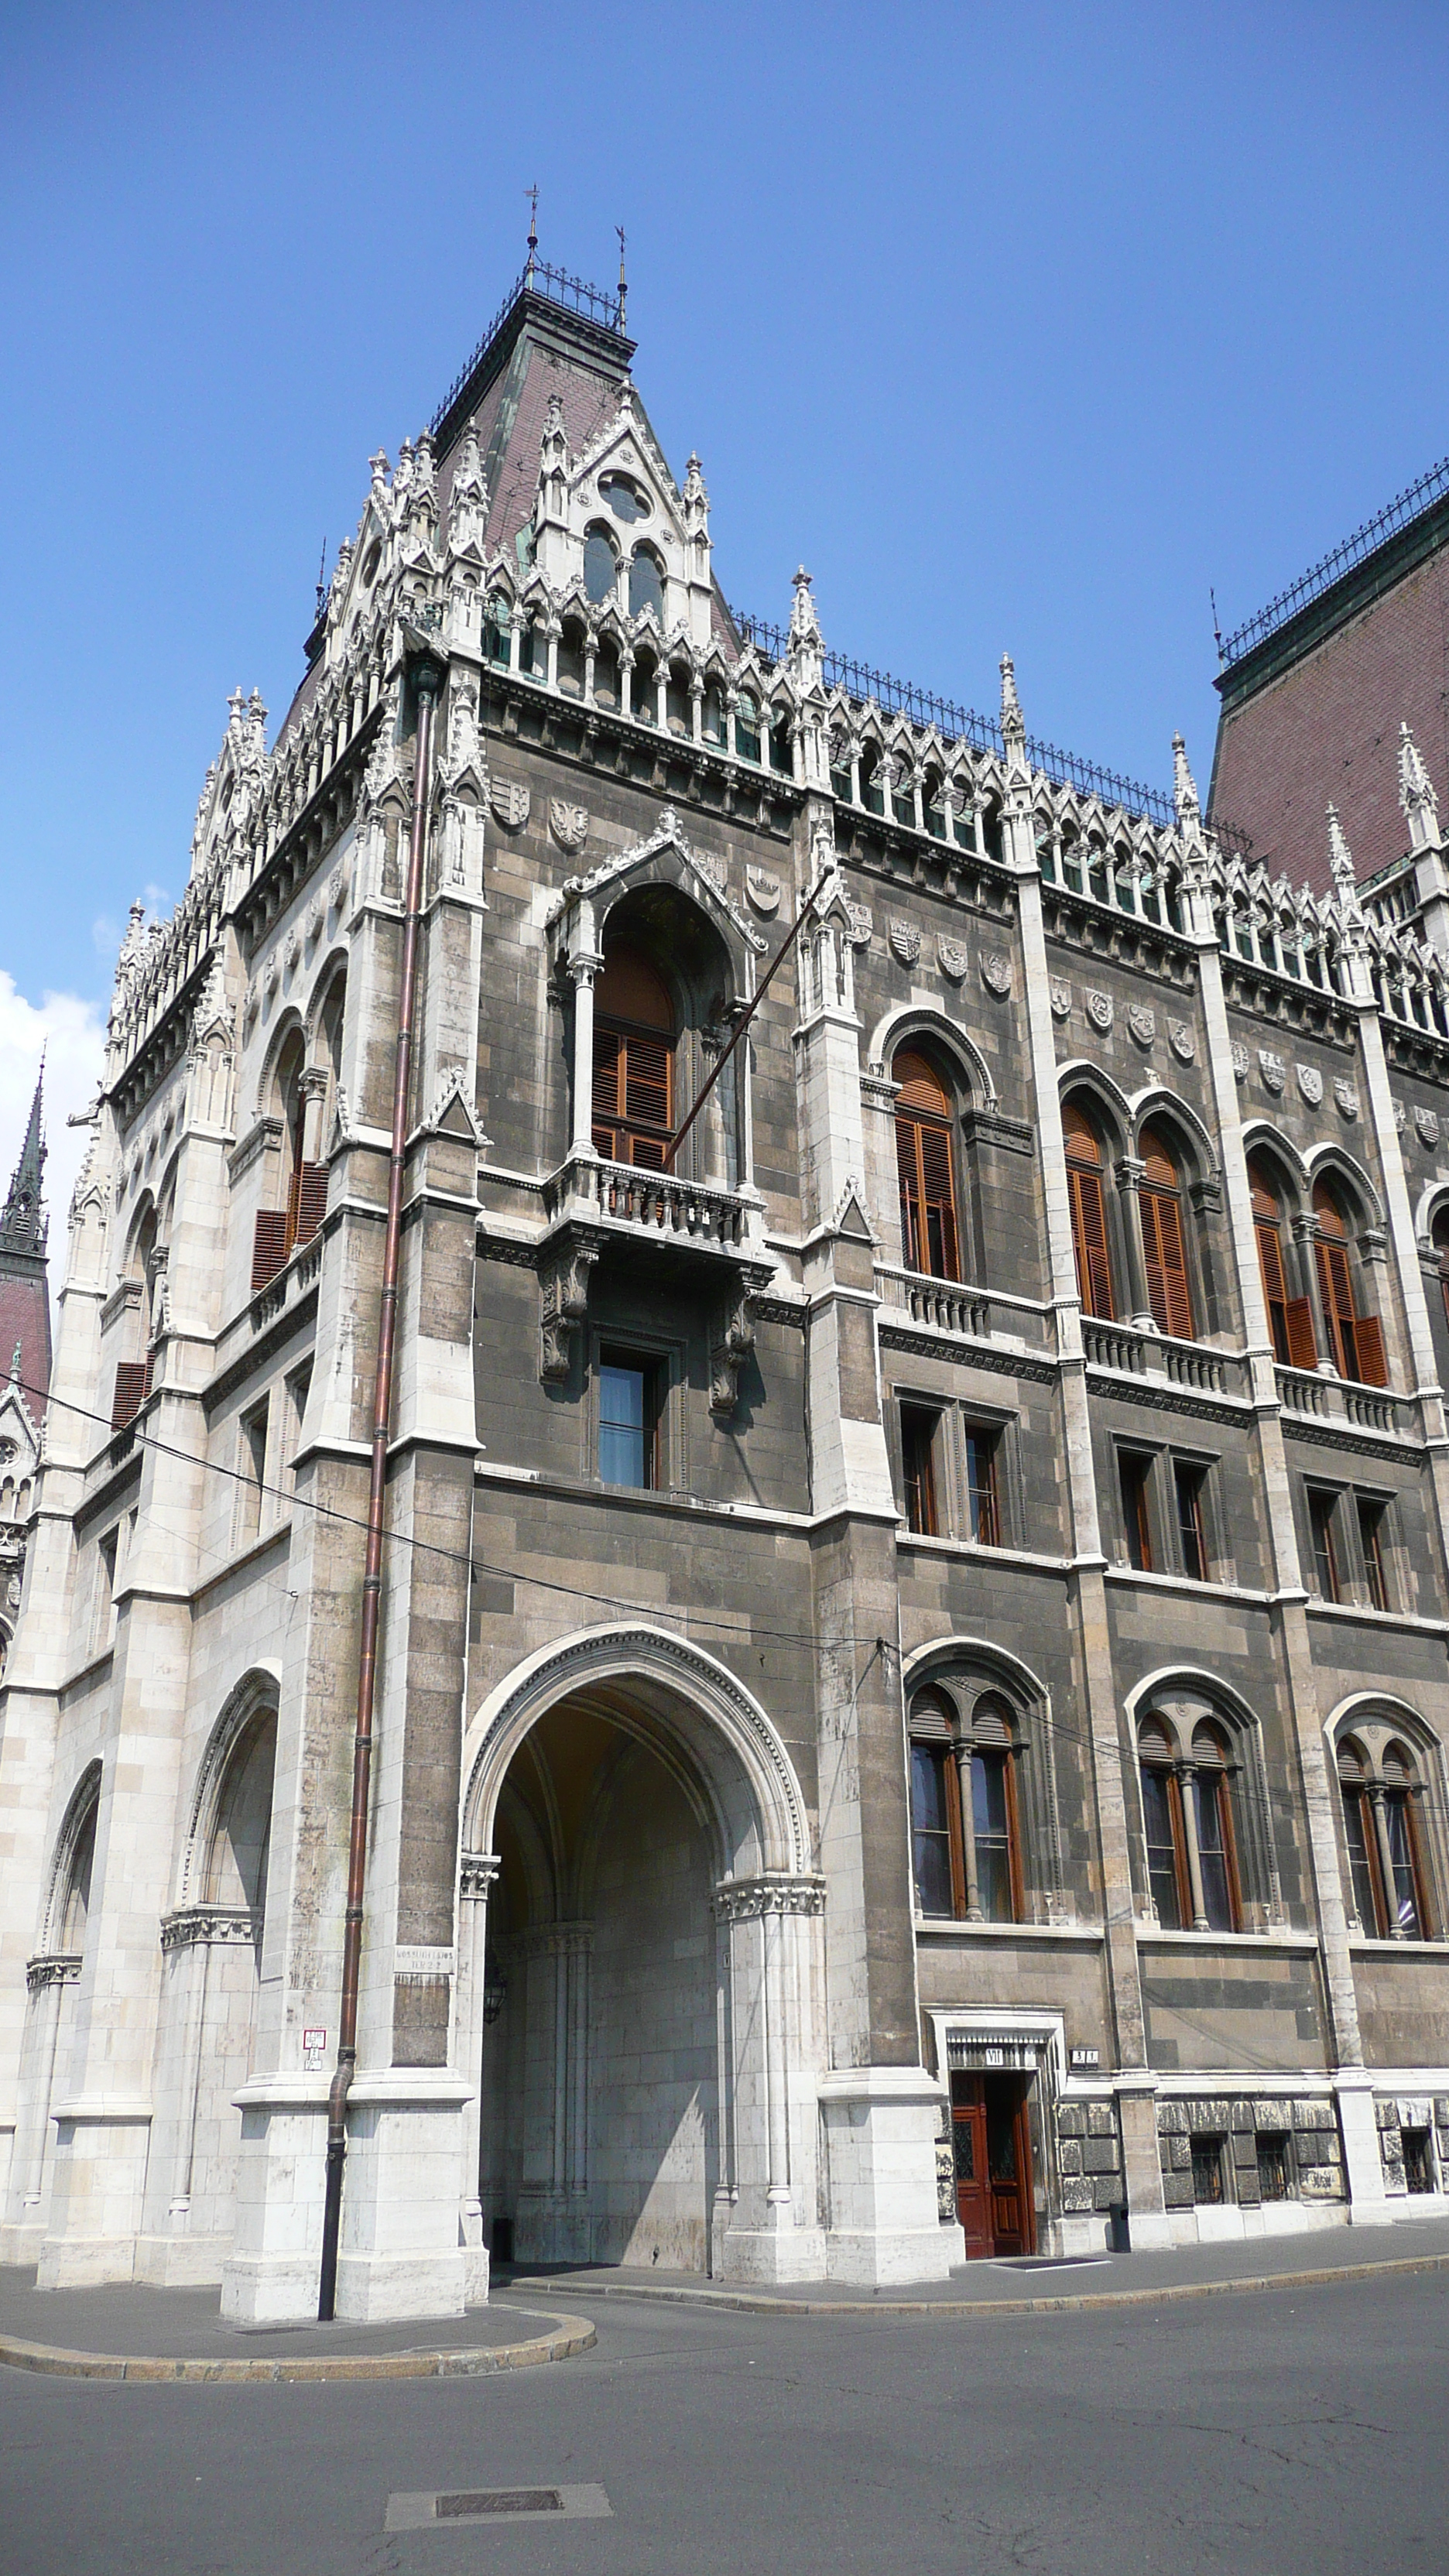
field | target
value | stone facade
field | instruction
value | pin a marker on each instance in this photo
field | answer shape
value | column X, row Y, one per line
column 667, row 1956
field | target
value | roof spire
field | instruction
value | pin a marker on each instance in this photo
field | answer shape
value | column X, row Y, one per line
column 1013, row 722
column 22, row 1221
column 623, row 281
column 1416, row 792
column 532, row 195
column 1184, row 785
column 1340, row 860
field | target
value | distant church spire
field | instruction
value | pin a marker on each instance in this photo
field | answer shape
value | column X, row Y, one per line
column 22, row 1223
column 24, row 1300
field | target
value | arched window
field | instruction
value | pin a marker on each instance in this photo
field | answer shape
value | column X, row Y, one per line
column 1213, row 1816
column 1290, row 1319
column 498, row 629
column 1356, row 1342
column 646, row 590
column 236, row 1872
column 633, row 1107
column 1440, row 1240
column 570, row 664
column 1163, row 1825
column 1187, row 1815
column 1164, row 1245
column 965, row 1839
column 930, row 1239
column 747, row 726
column 1380, row 1790
column 1089, row 1213
column 601, row 566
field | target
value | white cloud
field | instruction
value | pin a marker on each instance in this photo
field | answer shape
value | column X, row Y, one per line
column 72, row 1031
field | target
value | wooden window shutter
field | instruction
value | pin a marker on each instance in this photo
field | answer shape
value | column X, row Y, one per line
column 1302, row 1339
column 133, row 1383
column 1270, row 1263
column 1368, row 1334
column 1337, row 1293
column 647, row 1063
column 928, row 1194
column 269, row 1246
column 1089, row 1242
column 311, row 1200
column 1168, row 1292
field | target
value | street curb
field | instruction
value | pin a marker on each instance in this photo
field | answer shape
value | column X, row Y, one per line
column 572, row 2335
column 766, row 2303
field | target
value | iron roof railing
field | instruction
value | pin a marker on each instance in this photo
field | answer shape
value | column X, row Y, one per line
column 956, row 723
column 556, row 286
column 1399, row 513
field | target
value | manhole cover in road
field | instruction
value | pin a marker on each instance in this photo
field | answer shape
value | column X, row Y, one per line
column 495, row 2504
column 457, row 2508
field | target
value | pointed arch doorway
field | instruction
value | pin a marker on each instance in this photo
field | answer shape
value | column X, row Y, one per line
column 638, row 1980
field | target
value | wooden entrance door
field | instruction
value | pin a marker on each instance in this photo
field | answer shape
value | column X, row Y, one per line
column 968, row 2139
column 991, row 2136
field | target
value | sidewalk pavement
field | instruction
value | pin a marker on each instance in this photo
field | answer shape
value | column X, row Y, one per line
column 1031, row 2285
column 132, row 2332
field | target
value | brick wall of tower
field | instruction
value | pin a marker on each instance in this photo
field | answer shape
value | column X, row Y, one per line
column 1326, row 729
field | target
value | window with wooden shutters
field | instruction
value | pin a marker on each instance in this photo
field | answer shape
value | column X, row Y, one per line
column 1162, row 1825
column 633, row 1104
column 1089, row 1214
column 1361, row 1839
column 1290, row 1319
column 1356, row 1341
column 133, row 1385
column 1160, row 1198
column 924, row 1160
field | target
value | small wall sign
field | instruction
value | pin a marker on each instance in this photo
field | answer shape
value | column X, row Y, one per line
column 1083, row 2057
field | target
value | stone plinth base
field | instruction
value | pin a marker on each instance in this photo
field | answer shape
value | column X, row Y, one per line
column 1363, row 2163
column 766, row 2256
column 401, row 2252
column 880, row 2126
column 96, row 2193
column 181, row 2262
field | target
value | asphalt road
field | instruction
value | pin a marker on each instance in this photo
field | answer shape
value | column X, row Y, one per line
column 1260, row 2435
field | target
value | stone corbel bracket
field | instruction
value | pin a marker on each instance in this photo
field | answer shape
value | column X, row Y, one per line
column 563, row 1282
column 732, row 1342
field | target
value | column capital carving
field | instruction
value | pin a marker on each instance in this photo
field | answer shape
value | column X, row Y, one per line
column 477, row 1872
column 190, row 1924
column 741, row 1900
column 57, row 1968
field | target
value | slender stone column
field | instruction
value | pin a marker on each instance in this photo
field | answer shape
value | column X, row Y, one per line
column 1319, row 1792
column 1135, row 2083
column 583, row 967
column 477, row 1872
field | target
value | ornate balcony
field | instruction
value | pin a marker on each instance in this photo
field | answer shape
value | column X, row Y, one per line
column 1315, row 1397
column 717, row 1234
column 957, row 1309
column 1131, row 1350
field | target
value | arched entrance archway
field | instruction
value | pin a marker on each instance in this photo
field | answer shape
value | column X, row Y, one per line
column 638, row 1989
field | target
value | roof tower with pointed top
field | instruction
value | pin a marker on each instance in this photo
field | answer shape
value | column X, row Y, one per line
column 24, row 1294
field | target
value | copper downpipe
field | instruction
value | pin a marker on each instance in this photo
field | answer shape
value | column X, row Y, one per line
column 427, row 680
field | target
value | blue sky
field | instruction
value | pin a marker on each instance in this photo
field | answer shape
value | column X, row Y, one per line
column 1021, row 326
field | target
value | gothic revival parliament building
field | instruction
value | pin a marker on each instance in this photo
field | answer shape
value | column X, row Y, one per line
column 908, row 1546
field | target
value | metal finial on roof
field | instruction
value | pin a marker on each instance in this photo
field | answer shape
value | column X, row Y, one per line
column 322, row 579
column 623, row 281
column 532, row 195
